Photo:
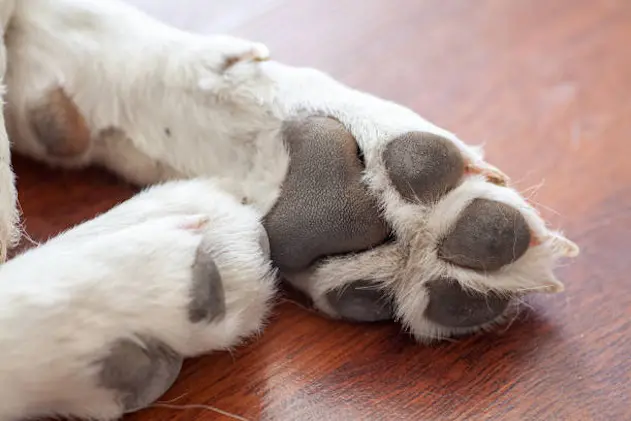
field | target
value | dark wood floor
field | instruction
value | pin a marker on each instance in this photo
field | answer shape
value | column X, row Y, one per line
column 547, row 85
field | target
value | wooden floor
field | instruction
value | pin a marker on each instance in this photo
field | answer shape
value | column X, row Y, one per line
column 547, row 86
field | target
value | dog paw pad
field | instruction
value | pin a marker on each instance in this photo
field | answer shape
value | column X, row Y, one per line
column 423, row 166
column 139, row 374
column 207, row 295
column 487, row 236
column 362, row 302
column 451, row 305
column 59, row 126
column 324, row 208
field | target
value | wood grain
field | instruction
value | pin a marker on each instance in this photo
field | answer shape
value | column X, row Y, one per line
column 547, row 86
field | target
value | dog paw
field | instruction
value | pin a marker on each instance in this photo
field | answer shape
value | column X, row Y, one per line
column 415, row 227
column 181, row 269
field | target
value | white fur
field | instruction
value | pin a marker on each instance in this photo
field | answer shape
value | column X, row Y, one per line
column 124, row 274
column 9, row 233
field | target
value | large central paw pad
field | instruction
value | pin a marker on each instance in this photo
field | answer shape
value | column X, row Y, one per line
column 422, row 233
column 324, row 208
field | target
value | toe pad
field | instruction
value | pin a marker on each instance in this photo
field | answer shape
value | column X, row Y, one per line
column 487, row 236
column 423, row 166
column 450, row 305
column 207, row 295
column 361, row 302
column 140, row 375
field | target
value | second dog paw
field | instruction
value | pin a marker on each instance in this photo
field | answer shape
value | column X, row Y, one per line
column 111, row 307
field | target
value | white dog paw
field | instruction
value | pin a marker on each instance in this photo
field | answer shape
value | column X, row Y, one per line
column 113, row 306
column 415, row 228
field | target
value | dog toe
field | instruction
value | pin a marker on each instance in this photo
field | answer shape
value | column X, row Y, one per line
column 423, row 166
column 487, row 236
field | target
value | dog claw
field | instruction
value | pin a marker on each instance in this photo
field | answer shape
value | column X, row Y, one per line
column 259, row 52
column 564, row 246
column 491, row 173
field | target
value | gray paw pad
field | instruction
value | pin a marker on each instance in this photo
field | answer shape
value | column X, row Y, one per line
column 361, row 301
column 139, row 375
column 423, row 166
column 323, row 209
column 59, row 126
column 452, row 306
column 487, row 236
column 207, row 294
